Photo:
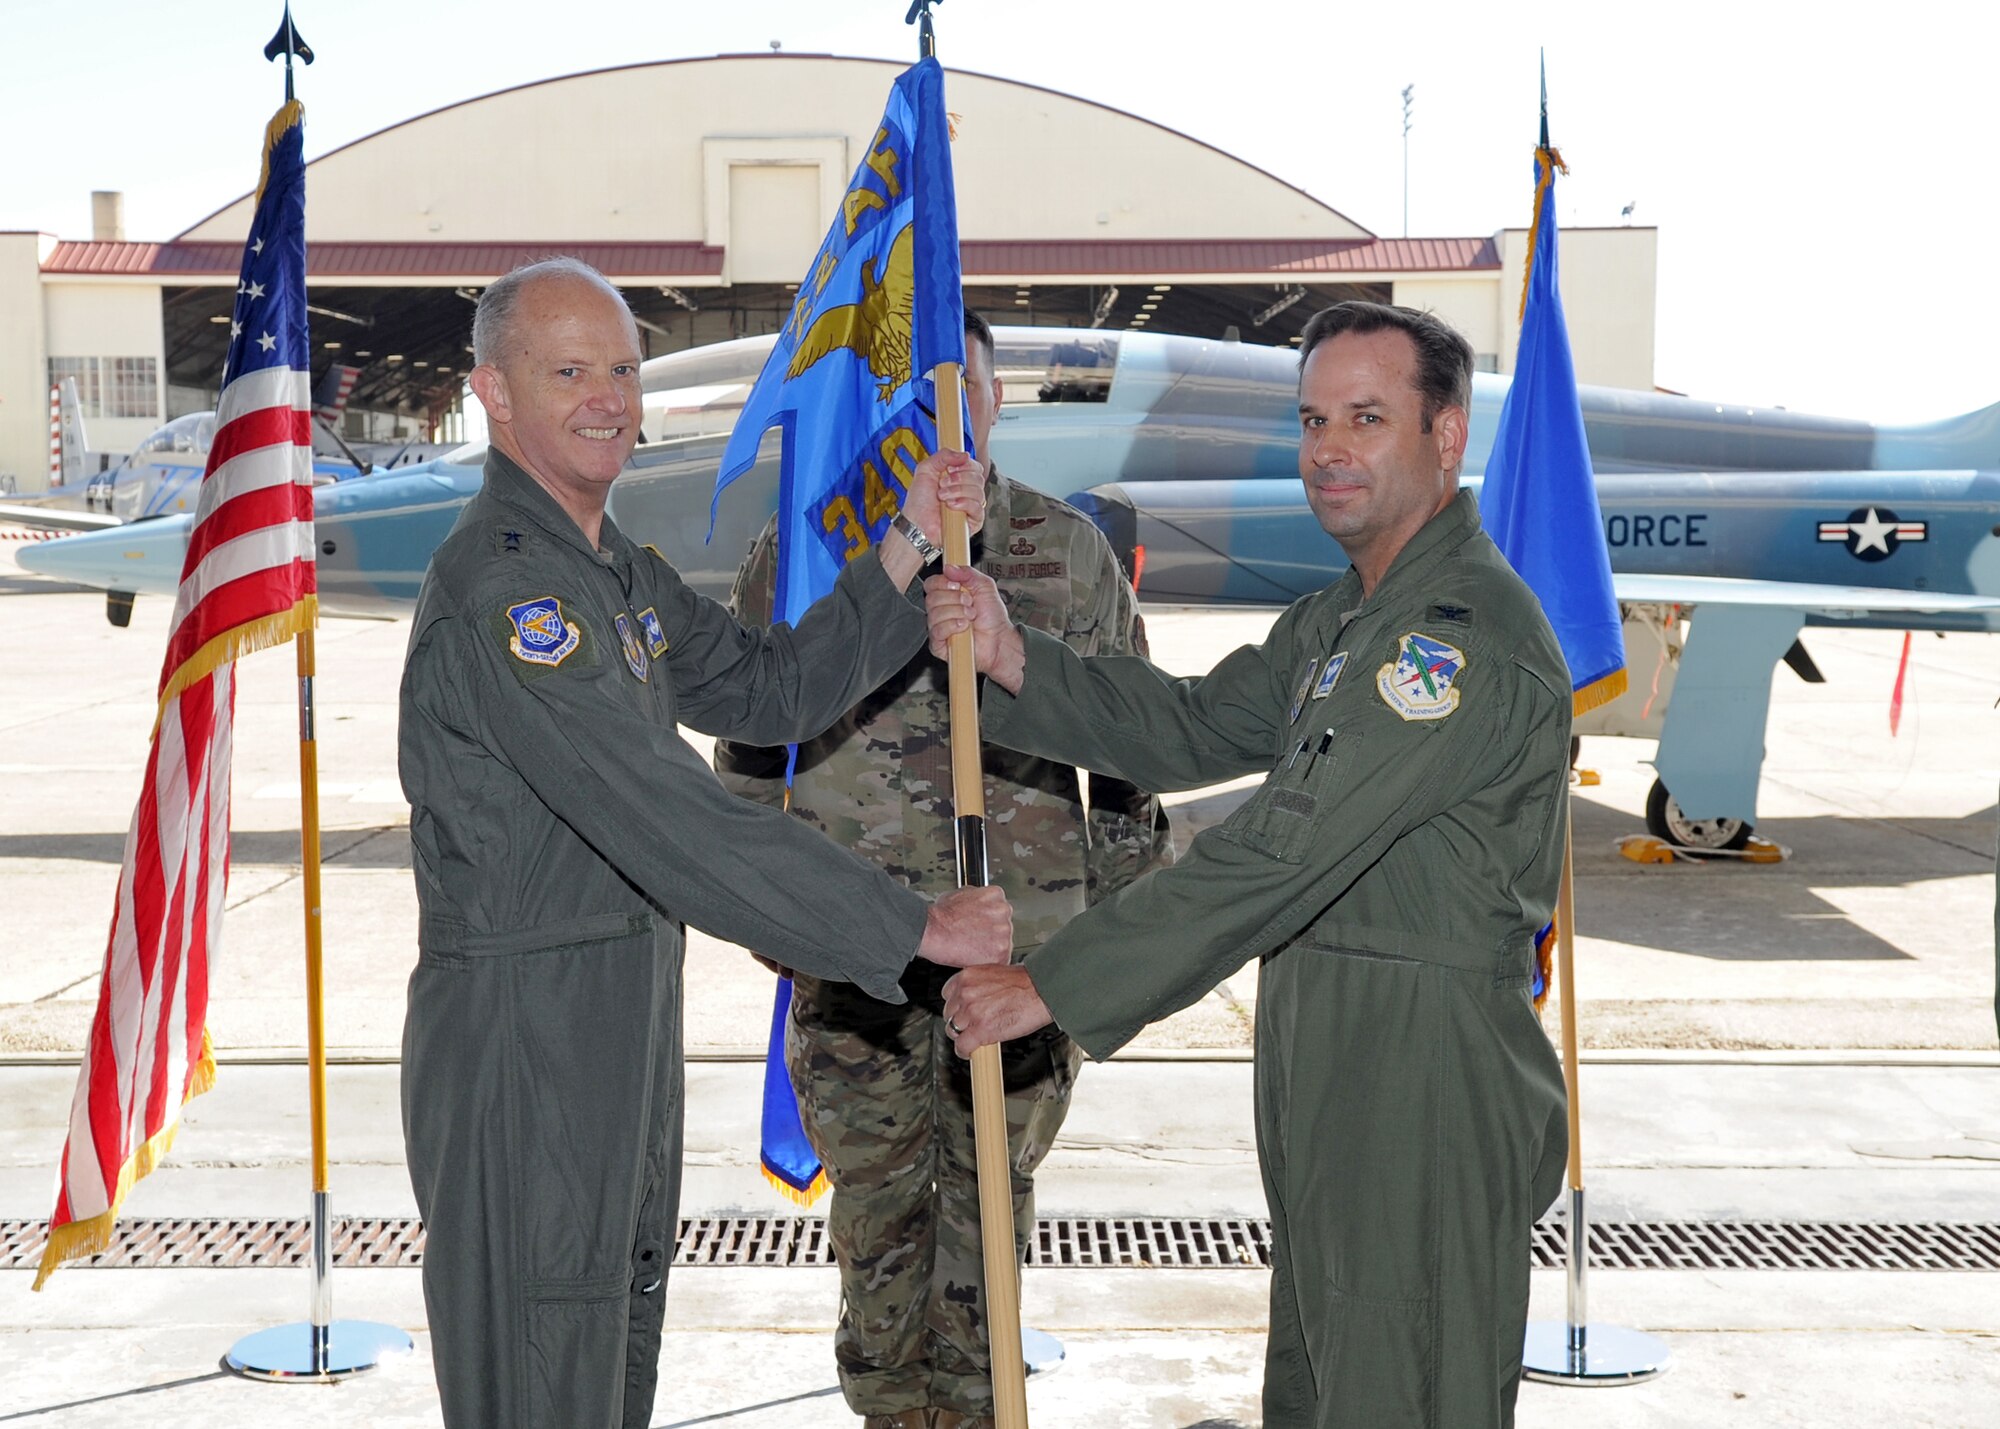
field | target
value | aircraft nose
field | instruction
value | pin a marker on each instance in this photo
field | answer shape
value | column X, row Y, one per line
column 145, row 556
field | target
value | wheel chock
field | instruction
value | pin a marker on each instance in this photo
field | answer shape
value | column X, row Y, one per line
column 1586, row 778
column 1763, row 850
column 1644, row 848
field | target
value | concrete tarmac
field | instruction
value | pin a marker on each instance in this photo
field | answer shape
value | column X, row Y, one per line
column 1809, row 1042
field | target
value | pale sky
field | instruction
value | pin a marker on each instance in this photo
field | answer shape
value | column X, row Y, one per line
column 1820, row 175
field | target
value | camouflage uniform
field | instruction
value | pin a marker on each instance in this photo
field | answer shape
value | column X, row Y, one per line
column 886, row 1102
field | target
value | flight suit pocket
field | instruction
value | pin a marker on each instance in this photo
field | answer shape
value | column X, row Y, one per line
column 1283, row 818
column 590, row 1023
column 576, row 1351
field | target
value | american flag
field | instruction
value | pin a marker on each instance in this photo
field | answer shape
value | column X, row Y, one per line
column 247, row 582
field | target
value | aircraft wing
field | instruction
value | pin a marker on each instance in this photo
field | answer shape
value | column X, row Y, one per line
column 1791, row 595
column 55, row 518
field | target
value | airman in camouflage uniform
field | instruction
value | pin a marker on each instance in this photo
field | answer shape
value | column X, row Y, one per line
column 885, row 1102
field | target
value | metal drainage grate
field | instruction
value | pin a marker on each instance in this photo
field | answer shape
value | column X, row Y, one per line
column 1081, row 1242
column 1777, row 1245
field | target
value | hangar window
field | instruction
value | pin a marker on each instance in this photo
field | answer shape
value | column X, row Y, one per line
column 84, row 371
column 111, row 386
column 131, row 387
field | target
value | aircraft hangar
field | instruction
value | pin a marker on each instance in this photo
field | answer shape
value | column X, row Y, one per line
column 702, row 187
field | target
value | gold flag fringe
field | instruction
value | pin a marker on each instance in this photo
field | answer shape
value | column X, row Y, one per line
column 1547, row 161
column 819, row 1187
column 289, row 113
column 1599, row 692
column 81, row 1238
column 232, row 644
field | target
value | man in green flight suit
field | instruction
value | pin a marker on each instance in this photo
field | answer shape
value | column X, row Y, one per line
column 562, row 832
column 1391, row 872
column 885, row 1103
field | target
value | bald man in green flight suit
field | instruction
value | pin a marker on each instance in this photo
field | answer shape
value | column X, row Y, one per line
column 1413, row 721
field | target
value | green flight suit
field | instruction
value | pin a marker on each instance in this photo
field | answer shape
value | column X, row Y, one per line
column 1391, row 872
column 562, row 832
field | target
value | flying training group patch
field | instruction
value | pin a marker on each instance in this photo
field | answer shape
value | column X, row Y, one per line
column 541, row 635
column 1421, row 683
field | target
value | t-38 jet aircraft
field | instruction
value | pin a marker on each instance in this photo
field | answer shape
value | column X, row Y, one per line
column 163, row 473
column 1730, row 528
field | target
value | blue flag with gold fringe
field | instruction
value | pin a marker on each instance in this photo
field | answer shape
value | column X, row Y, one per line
column 848, row 384
column 1538, row 499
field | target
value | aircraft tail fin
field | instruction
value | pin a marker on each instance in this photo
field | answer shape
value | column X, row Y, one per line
column 336, row 385
column 1969, row 440
column 68, row 446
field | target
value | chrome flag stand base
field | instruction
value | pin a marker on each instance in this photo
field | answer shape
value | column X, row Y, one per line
column 1606, row 1355
column 1041, row 1352
column 315, row 1354
column 323, row 1350
column 1577, row 1352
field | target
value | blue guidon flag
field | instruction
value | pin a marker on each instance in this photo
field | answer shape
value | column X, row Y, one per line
column 1539, row 496
column 848, row 385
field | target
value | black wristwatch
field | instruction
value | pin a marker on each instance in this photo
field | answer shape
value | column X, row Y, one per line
column 926, row 548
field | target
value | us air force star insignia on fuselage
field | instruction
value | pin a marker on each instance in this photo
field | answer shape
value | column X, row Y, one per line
column 1873, row 533
column 1421, row 682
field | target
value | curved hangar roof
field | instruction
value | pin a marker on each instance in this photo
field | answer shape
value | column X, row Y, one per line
column 644, row 153
column 703, row 187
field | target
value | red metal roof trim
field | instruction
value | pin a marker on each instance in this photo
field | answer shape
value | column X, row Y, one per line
column 1166, row 257
column 388, row 260
column 1194, row 256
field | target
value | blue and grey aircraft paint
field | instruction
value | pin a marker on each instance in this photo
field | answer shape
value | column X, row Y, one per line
column 162, row 475
column 1755, row 521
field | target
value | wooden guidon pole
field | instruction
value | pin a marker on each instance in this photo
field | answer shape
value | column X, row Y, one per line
column 1566, row 991
column 1576, row 1277
column 989, row 1102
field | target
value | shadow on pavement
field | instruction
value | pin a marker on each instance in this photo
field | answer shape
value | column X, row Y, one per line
column 39, row 585
column 727, row 1414
column 1741, row 912
column 116, row 1394
column 384, row 847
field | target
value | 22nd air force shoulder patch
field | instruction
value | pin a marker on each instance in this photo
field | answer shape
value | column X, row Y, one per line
column 1421, row 683
column 541, row 635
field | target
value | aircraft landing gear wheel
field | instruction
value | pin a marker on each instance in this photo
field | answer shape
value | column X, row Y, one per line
column 1664, row 820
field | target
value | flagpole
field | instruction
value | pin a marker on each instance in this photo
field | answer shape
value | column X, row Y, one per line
column 321, row 1350
column 989, row 1098
column 309, row 854
column 1577, row 1352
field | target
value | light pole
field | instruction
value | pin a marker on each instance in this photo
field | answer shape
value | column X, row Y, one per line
column 1409, row 99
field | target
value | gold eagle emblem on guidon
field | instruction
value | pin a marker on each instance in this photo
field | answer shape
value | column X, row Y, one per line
column 876, row 329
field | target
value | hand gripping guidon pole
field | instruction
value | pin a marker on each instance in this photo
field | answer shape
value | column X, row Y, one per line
column 989, row 1104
